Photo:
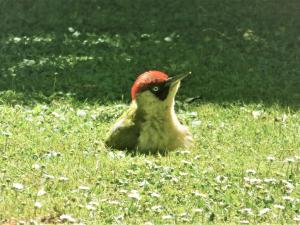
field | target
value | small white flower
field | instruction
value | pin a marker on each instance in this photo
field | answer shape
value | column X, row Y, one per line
column 289, row 160
column 276, row 206
column 44, row 107
column 144, row 183
column 33, row 222
column 56, row 114
column 183, row 174
column 198, row 210
column 145, row 35
column 134, row 194
column 37, row 39
column 83, row 188
column 249, row 35
column 62, row 178
column 271, row 158
column 6, row 133
column 29, row 118
column 48, row 177
column 185, row 214
column 284, row 117
column 81, row 113
column 114, row 202
column 123, row 191
column 17, row 39
column 41, row 192
column 168, row 39
column 167, row 169
column 155, row 195
column 197, row 157
column 157, row 208
column 167, row 217
column 18, row 186
column 244, row 222
column 256, row 114
column 221, row 179
column 198, row 194
column 297, row 218
column 37, row 205
column 67, row 218
column 183, row 152
column 90, row 207
column 185, row 162
column 76, row 34
column 250, row 171
column 270, row 180
column 263, row 211
column 175, row 179
column 288, row 186
column 148, row 223
column 246, row 211
column 28, row 62
column 288, row 198
column 116, row 155
column 36, row 166
column 94, row 202
column 252, row 181
column 94, row 116
column 119, row 217
column 124, row 180
column 196, row 123
column 71, row 29
column 120, row 155
column 192, row 114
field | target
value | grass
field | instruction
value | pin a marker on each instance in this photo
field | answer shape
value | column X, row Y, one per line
column 64, row 78
column 213, row 181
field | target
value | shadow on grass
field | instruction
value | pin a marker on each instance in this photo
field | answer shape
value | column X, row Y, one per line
column 93, row 52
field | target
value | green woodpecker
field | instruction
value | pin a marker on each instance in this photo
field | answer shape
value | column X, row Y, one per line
column 150, row 125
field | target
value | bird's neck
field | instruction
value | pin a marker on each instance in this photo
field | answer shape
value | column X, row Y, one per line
column 163, row 112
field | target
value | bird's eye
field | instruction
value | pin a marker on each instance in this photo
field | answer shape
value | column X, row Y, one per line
column 155, row 88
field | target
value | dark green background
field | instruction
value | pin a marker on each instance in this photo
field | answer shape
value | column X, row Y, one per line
column 208, row 38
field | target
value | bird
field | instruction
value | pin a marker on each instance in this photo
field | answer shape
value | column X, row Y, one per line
column 150, row 125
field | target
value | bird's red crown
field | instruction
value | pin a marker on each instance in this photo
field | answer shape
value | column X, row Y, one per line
column 147, row 78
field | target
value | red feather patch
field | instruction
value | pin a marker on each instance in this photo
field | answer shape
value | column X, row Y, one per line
column 147, row 78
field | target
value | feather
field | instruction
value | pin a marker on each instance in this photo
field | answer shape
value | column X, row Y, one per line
column 125, row 133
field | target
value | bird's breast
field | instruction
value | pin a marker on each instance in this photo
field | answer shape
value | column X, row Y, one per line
column 161, row 134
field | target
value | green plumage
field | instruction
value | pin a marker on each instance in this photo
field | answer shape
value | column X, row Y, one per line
column 127, row 131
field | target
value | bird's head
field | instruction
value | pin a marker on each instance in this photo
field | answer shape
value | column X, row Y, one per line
column 154, row 90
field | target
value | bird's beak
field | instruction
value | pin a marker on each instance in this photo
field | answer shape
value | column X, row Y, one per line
column 176, row 79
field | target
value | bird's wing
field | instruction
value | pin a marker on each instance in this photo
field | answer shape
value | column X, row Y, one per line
column 125, row 132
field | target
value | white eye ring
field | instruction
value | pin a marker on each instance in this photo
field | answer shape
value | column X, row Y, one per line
column 155, row 88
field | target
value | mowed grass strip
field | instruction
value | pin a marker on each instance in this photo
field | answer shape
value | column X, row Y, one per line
column 54, row 167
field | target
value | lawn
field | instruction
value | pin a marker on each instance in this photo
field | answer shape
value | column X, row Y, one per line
column 65, row 76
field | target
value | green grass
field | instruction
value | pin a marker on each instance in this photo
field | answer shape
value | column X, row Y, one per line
column 60, row 92
column 211, row 176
